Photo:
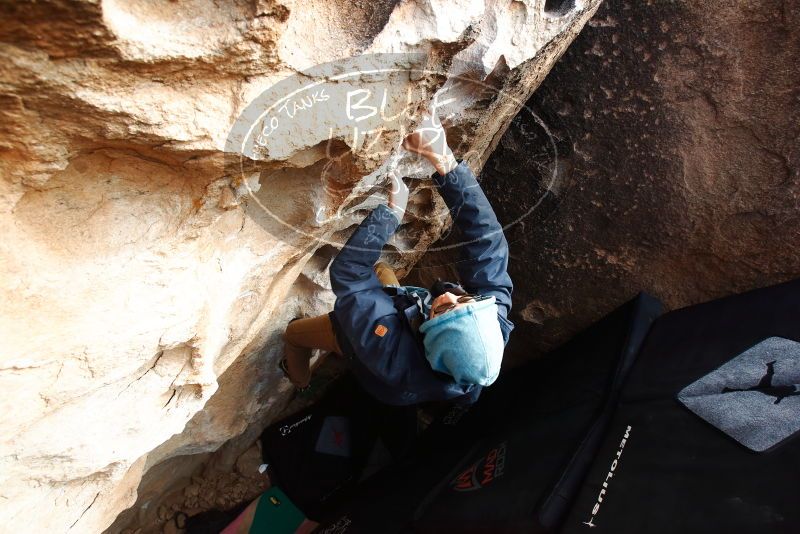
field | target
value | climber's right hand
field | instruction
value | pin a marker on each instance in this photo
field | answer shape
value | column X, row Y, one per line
column 430, row 141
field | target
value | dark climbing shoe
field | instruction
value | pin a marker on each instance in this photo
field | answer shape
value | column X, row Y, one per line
column 283, row 366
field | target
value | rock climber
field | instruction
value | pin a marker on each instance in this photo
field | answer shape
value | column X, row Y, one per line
column 410, row 345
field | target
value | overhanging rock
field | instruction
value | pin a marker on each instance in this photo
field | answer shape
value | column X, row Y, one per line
column 143, row 285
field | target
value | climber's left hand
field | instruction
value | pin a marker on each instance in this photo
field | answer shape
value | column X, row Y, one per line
column 398, row 195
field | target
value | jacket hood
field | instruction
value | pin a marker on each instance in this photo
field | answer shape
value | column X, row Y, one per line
column 466, row 343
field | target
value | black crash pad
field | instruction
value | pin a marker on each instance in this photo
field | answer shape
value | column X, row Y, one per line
column 320, row 453
column 663, row 468
column 512, row 461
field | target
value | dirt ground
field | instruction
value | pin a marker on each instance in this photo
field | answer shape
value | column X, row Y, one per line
column 209, row 490
column 213, row 486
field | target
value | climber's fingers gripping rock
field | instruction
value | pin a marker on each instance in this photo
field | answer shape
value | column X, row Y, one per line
column 430, row 141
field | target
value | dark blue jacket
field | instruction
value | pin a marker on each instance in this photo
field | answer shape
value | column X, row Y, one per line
column 373, row 324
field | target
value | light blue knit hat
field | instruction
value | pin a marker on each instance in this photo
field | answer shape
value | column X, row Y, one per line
column 466, row 343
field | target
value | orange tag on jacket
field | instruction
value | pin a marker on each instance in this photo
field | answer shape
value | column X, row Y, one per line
column 381, row 330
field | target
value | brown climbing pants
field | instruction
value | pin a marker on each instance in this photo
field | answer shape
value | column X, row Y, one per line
column 386, row 274
column 303, row 335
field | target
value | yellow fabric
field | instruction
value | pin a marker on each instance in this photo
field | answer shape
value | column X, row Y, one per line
column 312, row 333
column 385, row 274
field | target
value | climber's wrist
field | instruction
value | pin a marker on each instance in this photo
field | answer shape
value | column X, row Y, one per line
column 443, row 163
column 398, row 196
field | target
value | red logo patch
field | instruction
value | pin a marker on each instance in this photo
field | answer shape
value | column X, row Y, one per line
column 482, row 472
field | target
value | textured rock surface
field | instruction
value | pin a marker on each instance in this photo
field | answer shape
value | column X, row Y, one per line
column 143, row 295
column 678, row 127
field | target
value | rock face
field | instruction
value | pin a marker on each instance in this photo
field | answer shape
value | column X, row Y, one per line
column 677, row 127
column 144, row 287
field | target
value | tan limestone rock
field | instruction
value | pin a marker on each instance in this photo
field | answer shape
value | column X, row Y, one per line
column 143, row 285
